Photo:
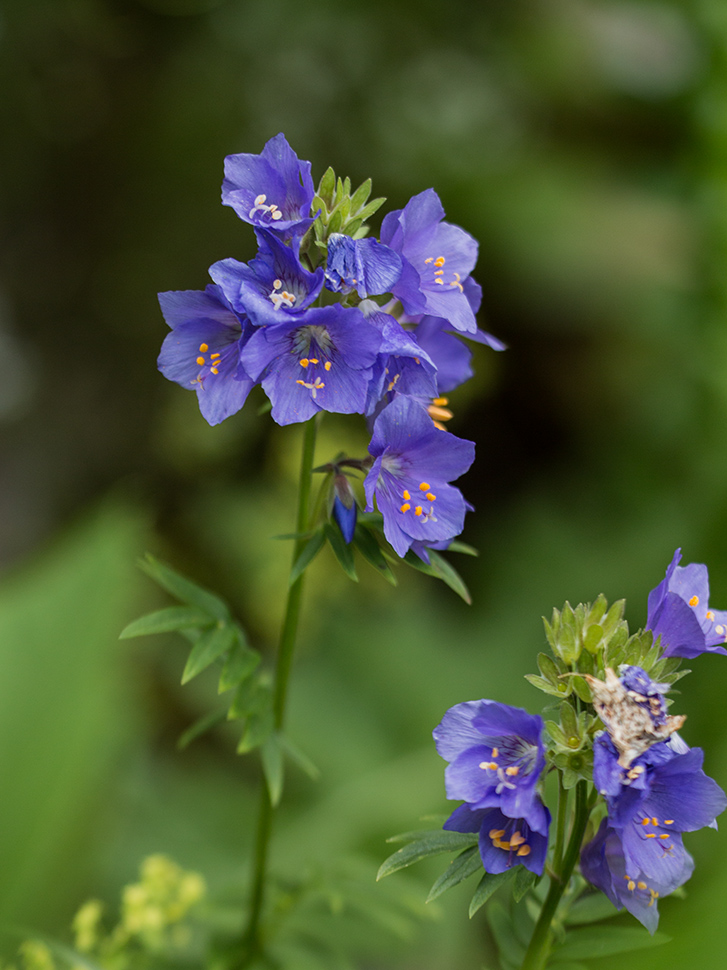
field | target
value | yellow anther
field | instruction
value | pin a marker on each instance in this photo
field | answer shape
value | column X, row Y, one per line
column 215, row 356
column 418, row 510
column 200, row 361
column 488, row 765
column 496, row 833
column 440, row 401
column 631, row 885
column 303, row 383
column 440, row 281
column 214, row 370
column 424, row 487
column 524, row 850
column 429, row 259
column 710, row 615
column 405, row 507
column 259, row 199
column 651, row 835
column 502, row 845
column 664, row 835
column 641, row 885
column 495, row 752
column 694, row 601
column 314, row 360
column 204, row 348
column 517, row 839
column 328, row 365
column 405, row 494
column 512, row 770
column 719, row 629
column 431, row 497
column 304, row 362
column 654, row 821
column 442, row 414
column 668, row 821
column 644, row 821
column 439, row 272
column 439, row 261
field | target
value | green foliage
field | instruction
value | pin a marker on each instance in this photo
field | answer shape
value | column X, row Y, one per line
column 338, row 210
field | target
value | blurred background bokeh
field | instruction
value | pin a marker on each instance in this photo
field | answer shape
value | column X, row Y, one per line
column 584, row 143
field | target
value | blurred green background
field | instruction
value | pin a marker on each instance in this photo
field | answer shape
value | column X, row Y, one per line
column 584, row 143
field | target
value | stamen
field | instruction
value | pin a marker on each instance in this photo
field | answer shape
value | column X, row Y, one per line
column 495, row 752
column 440, row 261
column 405, row 507
column 488, row 765
column 641, row 885
column 214, row 370
column 644, row 821
column 204, row 348
column 431, row 497
column 523, row 850
column 328, row 365
column 631, row 885
column 710, row 615
column 512, row 770
column 424, row 487
column 200, row 361
column 314, row 360
column 664, row 835
column 668, row 821
column 213, row 356
column 694, row 601
column 304, row 362
column 418, row 510
column 517, row 839
column 405, row 494
column 440, row 401
column 496, row 833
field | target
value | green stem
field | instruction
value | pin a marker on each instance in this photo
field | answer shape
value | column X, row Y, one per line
column 252, row 939
column 560, row 825
column 539, row 948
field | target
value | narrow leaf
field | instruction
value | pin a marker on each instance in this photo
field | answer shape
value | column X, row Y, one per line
column 200, row 727
column 271, row 754
column 466, row 864
column 590, row 908
column 257, row 729
column 450, row 576
column 308, row 554
column 240, row 664
column 595, row 941
column 489, row 884
column 462, row 547
column 341, row 549
column 434, row 843
column 511, row 950
column 210, row 646
column 327, row 185
column 524, row 882
column 183, row 588
column 166, row 621
column 300, row 758
column 371, row 551
column 361, row 195
column 368, row 210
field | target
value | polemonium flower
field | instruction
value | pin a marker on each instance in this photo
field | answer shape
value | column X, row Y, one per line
column 504, row 842
column 679, row 612
column 496, row 755
column 437, row 260
column 319, row 361
column 203, row 349
column 364, row 265
column 402, row 366
column 450, row 355
column 273, row 189
column 272, row 287
column 413, row 464
column 635, row 883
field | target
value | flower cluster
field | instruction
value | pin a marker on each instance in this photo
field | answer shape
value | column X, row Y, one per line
column 301, row 320
column 637, row 854
column 496, row 756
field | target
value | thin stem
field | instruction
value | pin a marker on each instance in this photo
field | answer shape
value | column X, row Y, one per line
column 539, row 948
column 560, row 826
column 251, row 941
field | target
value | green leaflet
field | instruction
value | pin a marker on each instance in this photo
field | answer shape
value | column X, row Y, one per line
column 489, row 884
column 602, row 941
column 168, row 620
column 184, row 589
column 465, row 865
column 428, row 844
column 208, row 648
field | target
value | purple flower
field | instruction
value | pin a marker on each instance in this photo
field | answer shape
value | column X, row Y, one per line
column 273, row 189
column 414, row 462
column 450, row 355
column 319, row 361
column 361, row 264
column 496, row 755
column 273, row 286
column 437, row 260
column 635, row 881
column 504, row 841
column 203, row 349
column 679, row 612
column 345, row 510
column 402, row 366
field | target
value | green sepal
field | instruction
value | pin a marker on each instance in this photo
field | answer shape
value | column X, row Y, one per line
column 327, row 186
column 488, row 885
column 168, row 620
column 300, row 758
column 271, row 754
column 465, row 865
column 429, row 843
column 602, row 941
column 549, row 670
column 352, row 227
column 241, row 663
column 368, row 210
column 247, row 699
column 341, row 550
column 335, row 223
column 201, row 726
column 369, row 548
column 209, row 647
column 183, row 588
column 562, row 690
column 360, row 196
column 581, row 688
column 258, row 726
column 307, row 555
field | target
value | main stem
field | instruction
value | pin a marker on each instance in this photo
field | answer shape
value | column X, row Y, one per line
column 252, row 942
column 539, row 948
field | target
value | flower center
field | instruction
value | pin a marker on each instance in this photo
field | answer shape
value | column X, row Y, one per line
column 420, row 511
column 652, row 828
column 638, row 884
column 516, row 842
column 437, row 263
column 280, row 297
column 265, row 211
column 213, row 364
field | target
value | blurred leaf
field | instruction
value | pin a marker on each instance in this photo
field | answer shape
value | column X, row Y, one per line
column 590, row 908
column 210, row 646
column 606, row 941
column 341, row 549
column 166, row 621
column 441, row 569
column 200, row 727
column 502, row 929
column 371, row 551
column 183, row 588
column 524, row 882
column 257, row 729
column 466, row 864
column 463, row 547
column 240, row 664
column 299, row 758
column 271, row 754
